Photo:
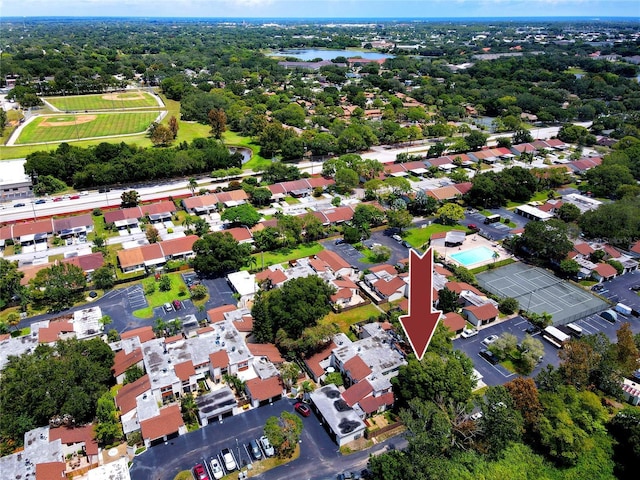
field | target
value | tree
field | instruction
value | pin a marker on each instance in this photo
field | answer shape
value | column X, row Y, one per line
column 423, row 204
column 626, row 349
column 399, row 219
column 219, row 253
column 569, row 267
column 346, row 180
column 448, row 300
column 132, row 374
column 198, row 292
column 568, row 212
column 13, row 319
column 289, row 372
column 152, row 234
column 173, row 126
column 450, row 214
column 476, row 140
column 130, row 198
column 546, row 240
column 103, row 278
column 605, row 180
column 10, row 279
column 192, row 185
column 243, row 214
column 298, row 304
column 333, row 378
column 161, row 135
column 380, row 253
column 218, row 122
column 3, row 121
column 624, row 427
column 312, row 227
column 508, row 305
column 524, row 393
column 189, row 408
column 578, row 360
column 278, row 172
column 501, row 423
column 266, row 239
column 164, row 283
column 58, row 286
column 260, row 196
column 521, row 136
column 284, row 433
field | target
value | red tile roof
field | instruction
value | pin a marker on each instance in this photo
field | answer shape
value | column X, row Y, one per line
column 458, row 287
column 54, row 330
column 583, row 248
column 184, row 370
column 388, row 288
column 635, row 248
column 357, row 392
column 611, row 251
column 276, row 276
column 262, row 390
column 605, row 270
column 372, row 404
column 143, row 333
column 50, row 470
column 122, row 361
column 88, row 263
column 165, row 206
column 126, row 396
column 217, row 314
column 178, row 246
column 441, row 270
column 357, row 369
column 219, row 359
column 32, row 228
column 335, row 261
column 485, row 311
column 385, row 267
column 130, row 258
column 169, row 421
column 268, row 350
column 245, row 324
column 173, row 339
column 240, row 234
column 71, row 436
column 339, row 214
column 453, row 321
column 313, row 362
column 463, row 187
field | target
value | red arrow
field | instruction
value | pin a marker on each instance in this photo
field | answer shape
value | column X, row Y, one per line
column 422, row 319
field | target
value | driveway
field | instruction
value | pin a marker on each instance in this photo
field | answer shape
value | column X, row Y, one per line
column 319, row 456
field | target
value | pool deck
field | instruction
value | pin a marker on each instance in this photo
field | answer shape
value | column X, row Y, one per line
column 471, row 242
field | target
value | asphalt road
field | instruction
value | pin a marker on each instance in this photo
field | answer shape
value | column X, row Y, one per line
column 319, row 455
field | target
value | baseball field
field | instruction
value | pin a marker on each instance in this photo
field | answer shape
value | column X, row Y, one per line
column 56, row 128
column 106, row 101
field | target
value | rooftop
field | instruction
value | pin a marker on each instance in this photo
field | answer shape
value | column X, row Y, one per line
column 341, row 418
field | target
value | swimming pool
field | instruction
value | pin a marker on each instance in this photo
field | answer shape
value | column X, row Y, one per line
column 473, row 255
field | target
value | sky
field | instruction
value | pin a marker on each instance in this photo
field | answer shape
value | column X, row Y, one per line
column 322, row 8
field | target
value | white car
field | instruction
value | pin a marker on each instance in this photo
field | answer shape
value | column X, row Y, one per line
column 266, row 445
column 397, row 238
column 216, row 469
column 490, row 339
column 468, row 332
column 229, row 461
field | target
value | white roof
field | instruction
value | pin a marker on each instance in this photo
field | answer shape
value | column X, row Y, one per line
column 243, row 282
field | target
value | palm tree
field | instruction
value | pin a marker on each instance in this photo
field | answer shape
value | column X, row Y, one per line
column 189, row 408
column 495, row 256
column 192, row 185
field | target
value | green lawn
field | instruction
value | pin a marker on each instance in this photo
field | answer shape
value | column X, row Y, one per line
column 417, row 237
column 285, row 254
column 113, row 101
column 67, row 127
column 158, row 298
column 345, row 319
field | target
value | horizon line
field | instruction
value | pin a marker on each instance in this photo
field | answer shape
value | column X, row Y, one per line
column 592, row 17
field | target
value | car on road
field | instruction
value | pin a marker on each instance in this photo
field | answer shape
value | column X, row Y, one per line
column 255, row 450
column 40, row 201
column 472, row 226
column 199, row 472
column 266, row 445
column 339, row 241
column 18, row 204
column 57, row 199
column 490, row 339
column 532, row 330
column 488, row 356
column 397, row 238
column 74, row 197
column 302, row 409
column 406, row 244
column 635, row 288
column 216, row 469
column 167, row 307
column 468, row 332
column 229, row 461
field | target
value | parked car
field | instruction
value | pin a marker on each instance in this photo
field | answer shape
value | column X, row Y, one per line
column 397, row 238
column 177, row 304
column 468, row 332
column 302, row 409
column 266, row 445
column 406, row 244
column 167, row 307
column 635, row 288
column 229, row 461
column 488, row 356
column 216, row 469
column 339, row 241
column 490, row 339
column 255, row 450
column 200, row 473
column 598, row 287
column 532, row 330
column 472, row 226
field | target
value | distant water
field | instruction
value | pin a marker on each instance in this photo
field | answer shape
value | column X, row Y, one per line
column 306, row 54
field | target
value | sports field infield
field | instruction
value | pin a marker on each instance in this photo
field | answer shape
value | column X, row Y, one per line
column 55, row 128
column 104, row 101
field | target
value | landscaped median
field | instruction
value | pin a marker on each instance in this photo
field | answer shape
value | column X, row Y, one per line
column 157, row 297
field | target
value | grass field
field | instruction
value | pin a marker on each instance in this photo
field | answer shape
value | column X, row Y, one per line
column 159, row 298
column 345, row 319
column 417, row 237
column 109, row 101
column 69, row 127
column 285, row 254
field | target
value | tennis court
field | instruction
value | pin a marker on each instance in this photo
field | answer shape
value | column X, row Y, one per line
column 540, row 291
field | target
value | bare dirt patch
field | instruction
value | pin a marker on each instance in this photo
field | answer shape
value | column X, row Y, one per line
column 123, row 96
column 66, row 123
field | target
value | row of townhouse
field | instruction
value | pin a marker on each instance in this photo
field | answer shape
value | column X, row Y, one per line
column 129, row 218
column 601, row 271
column 38, row 232
column 155, row 255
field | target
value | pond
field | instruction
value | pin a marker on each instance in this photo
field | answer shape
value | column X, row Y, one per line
column 306, row 54
column 245, row 152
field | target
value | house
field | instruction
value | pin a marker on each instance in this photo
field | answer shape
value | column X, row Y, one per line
column 318, row 363
column 240, row 234
column 604, row 272
column 215, row 405
column 244, row 284
column 481, row 314
column 340, row 420
column 336, row 263
column 444, row 193
column 73, row 226
column 631, row 391
column 267, row 350
column 127, row 403
column 263, row 392
column 148, row 257
column 124, row 360
column 77, row 438
column 454, row 322
column 166, row 425
column 272, row 277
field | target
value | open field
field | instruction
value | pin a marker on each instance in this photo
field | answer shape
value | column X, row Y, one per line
column 345, row 319
column 106, row 101
column 58, row 128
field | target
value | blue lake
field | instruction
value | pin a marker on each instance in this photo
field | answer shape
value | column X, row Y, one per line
column 306, row 54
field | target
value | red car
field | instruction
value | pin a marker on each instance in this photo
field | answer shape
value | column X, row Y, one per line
column 74, row 197
column 473, row 226
column 57, row 199
column 302, row 409
column 200, row 473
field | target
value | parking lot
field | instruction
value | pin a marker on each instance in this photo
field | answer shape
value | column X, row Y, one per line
column 136, row 298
